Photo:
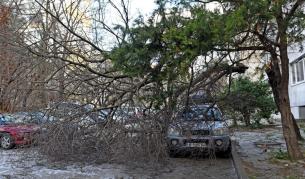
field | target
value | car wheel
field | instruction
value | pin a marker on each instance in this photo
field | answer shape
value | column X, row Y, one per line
column 227, row 153
column 7, row 142
column 172, row 153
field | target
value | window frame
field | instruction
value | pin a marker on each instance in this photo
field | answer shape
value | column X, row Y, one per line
column 295, row 78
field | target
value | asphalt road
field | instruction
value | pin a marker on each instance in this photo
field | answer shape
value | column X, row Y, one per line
column 24, row 163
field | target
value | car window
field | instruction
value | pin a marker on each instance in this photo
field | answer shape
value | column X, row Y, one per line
column 2, row 120
column 202, row 113
column 5, row 120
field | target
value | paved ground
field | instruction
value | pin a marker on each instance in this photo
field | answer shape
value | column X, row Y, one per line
column 259, row 161
column 14, row 164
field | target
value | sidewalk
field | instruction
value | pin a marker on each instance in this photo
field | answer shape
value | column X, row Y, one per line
column 260, row 151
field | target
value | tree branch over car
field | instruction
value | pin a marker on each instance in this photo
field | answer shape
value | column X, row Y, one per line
column 271, row 26
column 152, row 62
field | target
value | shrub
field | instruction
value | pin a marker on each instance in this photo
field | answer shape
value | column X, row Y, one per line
column 250, row 99
column 280, row 155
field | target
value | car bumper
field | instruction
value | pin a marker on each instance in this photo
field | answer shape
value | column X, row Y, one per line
column 202, row 143
column 23, row 140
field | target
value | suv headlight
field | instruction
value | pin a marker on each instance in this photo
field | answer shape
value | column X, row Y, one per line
column 221, row 131
column 172, row 131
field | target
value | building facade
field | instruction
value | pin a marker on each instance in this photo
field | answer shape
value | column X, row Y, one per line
column 297, row 83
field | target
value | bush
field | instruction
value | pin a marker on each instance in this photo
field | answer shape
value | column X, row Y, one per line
column 280, row 155
column 250, row 99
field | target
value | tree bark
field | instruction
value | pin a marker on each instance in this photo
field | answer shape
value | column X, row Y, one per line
column 25, row 99
column 282, row 100
column 288, row 129
column 247, row 119
column 278, row 75
column 272, row 82
column 296, row 128
column 235, row 122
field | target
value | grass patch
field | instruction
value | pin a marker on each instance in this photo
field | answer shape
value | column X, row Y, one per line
column 280, row 155
column 302, row 125
column 256, row 125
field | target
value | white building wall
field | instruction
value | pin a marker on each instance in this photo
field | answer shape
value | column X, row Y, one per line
column 297, row 95
column 297, row 89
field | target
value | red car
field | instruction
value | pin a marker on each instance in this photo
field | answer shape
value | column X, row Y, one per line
column 13, row 133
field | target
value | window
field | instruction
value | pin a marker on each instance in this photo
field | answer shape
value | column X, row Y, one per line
column 293, row 73
column 298, row 72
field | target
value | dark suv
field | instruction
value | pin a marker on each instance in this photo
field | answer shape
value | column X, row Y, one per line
column 199, row 128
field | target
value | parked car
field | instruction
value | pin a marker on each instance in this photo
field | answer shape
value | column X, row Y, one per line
column 66, row 109
column 199, row 128
column 86, row 114
column 36, row 117
column 13, row 133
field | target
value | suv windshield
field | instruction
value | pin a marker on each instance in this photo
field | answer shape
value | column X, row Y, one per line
column 202, row 113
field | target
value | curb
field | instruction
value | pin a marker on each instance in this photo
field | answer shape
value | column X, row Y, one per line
column 240, row 171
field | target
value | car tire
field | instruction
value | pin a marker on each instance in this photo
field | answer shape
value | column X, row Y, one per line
column 227, row 153
column 7, row 141
column 172, row 153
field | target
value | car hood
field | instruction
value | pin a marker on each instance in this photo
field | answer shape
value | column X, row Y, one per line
column 199, row 125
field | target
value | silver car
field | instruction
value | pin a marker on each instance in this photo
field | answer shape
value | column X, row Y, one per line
column 200, row 129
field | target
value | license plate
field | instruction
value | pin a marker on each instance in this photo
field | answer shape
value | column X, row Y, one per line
column 196, row 144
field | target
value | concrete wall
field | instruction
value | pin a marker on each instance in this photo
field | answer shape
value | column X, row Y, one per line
column 302, row 112
column 297, row 100
column 297, row 94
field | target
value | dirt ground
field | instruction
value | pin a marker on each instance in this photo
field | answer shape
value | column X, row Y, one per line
column 259, row 160
column 25, row 163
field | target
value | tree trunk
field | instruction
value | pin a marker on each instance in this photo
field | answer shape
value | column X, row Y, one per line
column 296, row 128
column 289, row 129
column 281, row 97
column 235, row 122
column 282, row 77
column 278, row 75
column 246, row 116
column 61, row 91
column 272, row 81
column 25, row 99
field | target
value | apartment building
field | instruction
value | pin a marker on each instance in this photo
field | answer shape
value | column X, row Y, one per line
column 297, row 83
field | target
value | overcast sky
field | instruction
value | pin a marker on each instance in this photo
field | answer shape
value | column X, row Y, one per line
column 136, row 7
column 144, row 6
